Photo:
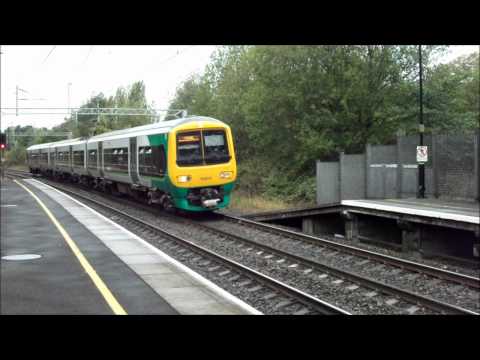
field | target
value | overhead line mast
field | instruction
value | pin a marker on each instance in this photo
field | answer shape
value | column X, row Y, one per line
column 421, row 166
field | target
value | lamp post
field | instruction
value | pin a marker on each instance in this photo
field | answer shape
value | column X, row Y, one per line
column 421, row 129
column 68, row 89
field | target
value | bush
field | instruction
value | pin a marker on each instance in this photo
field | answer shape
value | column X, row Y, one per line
column 256, row 177
column 16, row 156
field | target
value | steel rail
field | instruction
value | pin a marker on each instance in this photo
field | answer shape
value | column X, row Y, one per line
column 352, row 277
column 459, row 278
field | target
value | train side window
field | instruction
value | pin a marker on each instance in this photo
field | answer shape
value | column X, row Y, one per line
column 43, row 157
column 78, row 158
column 106, row 158
column 92, row 159
column 151, row 161
column 122, row 159
column 66, row 157
column 116, row 159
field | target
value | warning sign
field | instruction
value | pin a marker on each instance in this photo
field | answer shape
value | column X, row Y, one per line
column 422, row 154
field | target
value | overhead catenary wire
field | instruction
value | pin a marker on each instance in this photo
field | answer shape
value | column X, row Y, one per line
column 88, row 55
column 169, row 58
column 53, row 48
column 177, row 54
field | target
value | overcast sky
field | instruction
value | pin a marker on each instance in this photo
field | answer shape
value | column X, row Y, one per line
column 45, row 72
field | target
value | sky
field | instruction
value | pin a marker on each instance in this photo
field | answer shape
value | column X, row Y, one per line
column 45, row 72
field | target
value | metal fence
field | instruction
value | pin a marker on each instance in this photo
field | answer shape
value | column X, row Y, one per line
column 391, row 171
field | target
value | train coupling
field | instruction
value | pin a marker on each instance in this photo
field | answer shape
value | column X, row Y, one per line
column 210, row 203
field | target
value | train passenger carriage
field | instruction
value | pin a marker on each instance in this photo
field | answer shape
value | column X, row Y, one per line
column 38, row 157
column 187, row 163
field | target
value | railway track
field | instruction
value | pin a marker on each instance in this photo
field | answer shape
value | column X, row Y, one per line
column 462, row 279
column 281, row 298
column 352, row 279
column 375, row 292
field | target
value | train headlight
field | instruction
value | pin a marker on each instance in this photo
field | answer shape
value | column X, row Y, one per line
column 184, row 178
column 226, row 174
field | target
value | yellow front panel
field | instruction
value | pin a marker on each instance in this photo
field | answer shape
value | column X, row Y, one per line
column 205, row 175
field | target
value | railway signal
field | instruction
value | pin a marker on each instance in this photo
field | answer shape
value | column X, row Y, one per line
column 3, row 141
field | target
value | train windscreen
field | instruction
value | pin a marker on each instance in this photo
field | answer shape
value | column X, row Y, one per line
column 202, row 148
column 215, row 145
column 189, row 148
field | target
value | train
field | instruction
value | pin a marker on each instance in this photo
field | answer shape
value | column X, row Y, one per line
column 187, row 164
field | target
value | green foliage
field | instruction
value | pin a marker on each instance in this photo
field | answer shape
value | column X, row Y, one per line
column 291, row 105
column 15, row 156
column 89, row 125
column 452, row 95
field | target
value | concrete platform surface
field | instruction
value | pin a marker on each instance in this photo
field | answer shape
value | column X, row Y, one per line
column 141, row 278
column 435, row 208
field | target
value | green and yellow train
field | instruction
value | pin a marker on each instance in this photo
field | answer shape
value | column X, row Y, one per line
column 185, row 164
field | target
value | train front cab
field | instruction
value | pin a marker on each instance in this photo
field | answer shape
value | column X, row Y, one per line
column 201, row 165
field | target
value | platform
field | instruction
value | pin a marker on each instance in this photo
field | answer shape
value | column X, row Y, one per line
column 93, row 266
column 429, row 227
column 467, row 212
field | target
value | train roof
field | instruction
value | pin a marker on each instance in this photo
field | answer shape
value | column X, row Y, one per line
column 38, row 146
column 156, row 128
column 56, row 143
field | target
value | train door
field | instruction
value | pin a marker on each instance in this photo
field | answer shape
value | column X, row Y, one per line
column 133, row 160
column 85, row 157
column 71, row 158
column 100, row 158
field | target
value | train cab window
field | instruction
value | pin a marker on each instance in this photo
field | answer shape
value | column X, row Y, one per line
column 92, row 159
column 152, row 161
column 189, row 148
column 78, row 158
column 215, row 147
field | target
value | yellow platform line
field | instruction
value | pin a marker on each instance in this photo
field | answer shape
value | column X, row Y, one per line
column 101, row 286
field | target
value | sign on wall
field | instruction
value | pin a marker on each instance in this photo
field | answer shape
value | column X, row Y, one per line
column 422, row 154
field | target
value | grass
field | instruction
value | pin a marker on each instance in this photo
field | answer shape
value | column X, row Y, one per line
column 247, row 203
column 19, row 167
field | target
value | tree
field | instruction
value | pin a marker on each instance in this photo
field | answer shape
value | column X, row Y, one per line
column 130, row 97
column 452, row 95
column 291, row 105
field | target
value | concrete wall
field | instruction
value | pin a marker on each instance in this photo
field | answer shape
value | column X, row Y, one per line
column 353, row 175
column 328, row 183
column 381, row 175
